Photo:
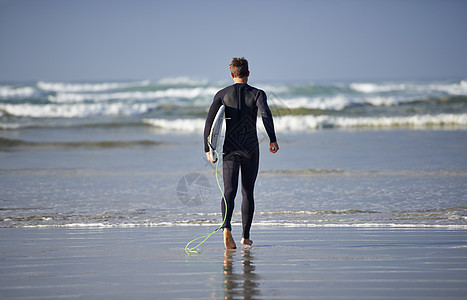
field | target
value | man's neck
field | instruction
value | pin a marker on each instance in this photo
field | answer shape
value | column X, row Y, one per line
column 240, row 79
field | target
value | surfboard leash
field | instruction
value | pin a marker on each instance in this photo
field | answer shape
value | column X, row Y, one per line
column 193, row 250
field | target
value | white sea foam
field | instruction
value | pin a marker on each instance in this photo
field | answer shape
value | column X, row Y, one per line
column 16, row 92
column 306, row 123
column 456, row 88
column 88, row 87
column 119, row 225
column 185, row 93
column 338, row 102
column 257, row 223
column 180, row 125
column 76, row 110
column 368, row 88
column 382, row 101
column 358, row 225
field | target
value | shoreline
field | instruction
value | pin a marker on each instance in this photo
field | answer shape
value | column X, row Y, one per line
column 237, row 224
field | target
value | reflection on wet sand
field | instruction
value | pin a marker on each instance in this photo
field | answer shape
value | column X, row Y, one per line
column 244, row 284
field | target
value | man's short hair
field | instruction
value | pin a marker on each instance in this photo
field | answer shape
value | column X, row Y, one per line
column 239, row 67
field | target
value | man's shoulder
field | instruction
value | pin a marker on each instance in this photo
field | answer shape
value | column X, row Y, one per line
column 223, row 91
column 256, row 90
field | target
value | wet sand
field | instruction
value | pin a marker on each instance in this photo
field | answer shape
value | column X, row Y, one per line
column 284, row 263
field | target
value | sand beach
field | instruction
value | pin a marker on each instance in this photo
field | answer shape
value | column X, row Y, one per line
column 284, row 263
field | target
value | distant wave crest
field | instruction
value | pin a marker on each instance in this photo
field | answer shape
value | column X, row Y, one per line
column 88, row 87
column 310, row 122
column 180, row 104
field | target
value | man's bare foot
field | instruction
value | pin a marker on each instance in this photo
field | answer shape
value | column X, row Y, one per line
column 247, row 242
column 228, row 240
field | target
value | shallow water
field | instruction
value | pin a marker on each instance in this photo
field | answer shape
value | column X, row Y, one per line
column 323, row 178
column 127, row 154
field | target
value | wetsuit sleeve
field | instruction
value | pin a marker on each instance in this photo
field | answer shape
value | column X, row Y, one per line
column 266, row 115
column 217, row 102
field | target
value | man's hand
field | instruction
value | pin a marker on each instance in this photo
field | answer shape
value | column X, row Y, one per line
column 208, row 156
column 273, row 147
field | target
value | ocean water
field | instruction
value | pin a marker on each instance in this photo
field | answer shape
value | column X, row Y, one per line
column 128, row 154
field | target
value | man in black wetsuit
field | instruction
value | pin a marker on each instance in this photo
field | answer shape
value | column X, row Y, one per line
column 241, row 146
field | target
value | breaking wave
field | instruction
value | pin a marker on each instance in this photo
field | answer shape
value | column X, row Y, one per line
column 89, row 87
column 439, row 218
column 180, row 104
column 310, row 122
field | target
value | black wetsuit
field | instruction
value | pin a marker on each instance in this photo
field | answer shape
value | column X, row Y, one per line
column 241, row 147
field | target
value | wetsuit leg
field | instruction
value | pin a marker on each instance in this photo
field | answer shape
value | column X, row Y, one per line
column 249, row 169
column 231, row 166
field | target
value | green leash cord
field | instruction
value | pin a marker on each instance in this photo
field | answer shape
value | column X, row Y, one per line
column 192, row 250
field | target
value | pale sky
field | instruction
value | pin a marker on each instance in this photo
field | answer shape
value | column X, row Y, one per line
column 86, row 40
